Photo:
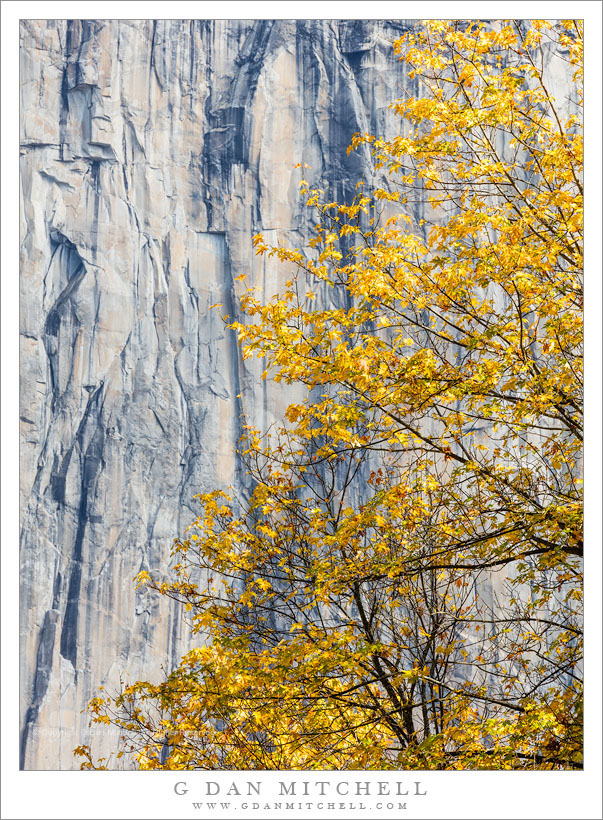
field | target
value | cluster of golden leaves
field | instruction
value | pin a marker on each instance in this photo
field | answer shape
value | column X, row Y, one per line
column 403, row 587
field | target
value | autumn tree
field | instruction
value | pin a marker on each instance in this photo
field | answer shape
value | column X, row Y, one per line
column 403, row 587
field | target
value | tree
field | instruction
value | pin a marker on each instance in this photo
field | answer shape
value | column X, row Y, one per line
column 403, row 587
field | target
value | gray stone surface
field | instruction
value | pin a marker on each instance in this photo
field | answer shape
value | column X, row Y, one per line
column 152, row 151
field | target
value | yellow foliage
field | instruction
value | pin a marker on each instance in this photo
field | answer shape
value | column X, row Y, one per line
column 420, row 522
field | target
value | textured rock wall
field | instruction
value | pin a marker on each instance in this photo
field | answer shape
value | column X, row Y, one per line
column 152, row 151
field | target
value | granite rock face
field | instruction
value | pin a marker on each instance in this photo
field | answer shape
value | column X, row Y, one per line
column 152, row 152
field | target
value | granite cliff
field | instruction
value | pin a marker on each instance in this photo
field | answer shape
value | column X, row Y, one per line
column 152, row 152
